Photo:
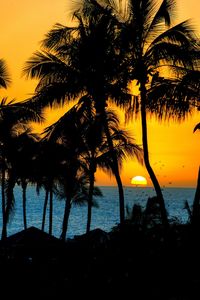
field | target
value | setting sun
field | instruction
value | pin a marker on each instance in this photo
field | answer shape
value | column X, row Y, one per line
column 139, row 180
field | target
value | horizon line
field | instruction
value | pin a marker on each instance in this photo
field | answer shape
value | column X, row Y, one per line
column 148, row 186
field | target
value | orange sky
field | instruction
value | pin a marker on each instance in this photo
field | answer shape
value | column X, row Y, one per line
column 174, row 149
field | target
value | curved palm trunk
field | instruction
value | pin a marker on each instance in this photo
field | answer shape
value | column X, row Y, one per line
column 45, row 209
column 90, row 198
column 4, row 226
column 50, row 210
column 100, row 106
column 24, row 186
column 196, row 205
column 146, row 158
column 66, row 218
column 115, row 168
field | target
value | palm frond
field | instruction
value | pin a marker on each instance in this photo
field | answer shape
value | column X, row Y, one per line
column 56, row 94
column 181, row 34
column 165, row 54
column 171, row 98
column 17, row 112
column 43, row 64
column 58, row 36
column 197, row 127
column 4, row 76
column 163, row 16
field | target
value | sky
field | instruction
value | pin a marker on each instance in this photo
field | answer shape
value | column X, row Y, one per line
column 174, row 148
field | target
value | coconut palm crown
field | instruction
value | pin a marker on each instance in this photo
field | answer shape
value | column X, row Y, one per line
column 159, row 56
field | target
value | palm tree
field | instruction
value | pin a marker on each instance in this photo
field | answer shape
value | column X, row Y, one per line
column 40, row 175
column 73, row 183
column 4, row 82
column 75, row 190
column 70, row 178
column 98, row 153
column 45, row 208
column 12, row 115
column 47, row 169
column 195, row 213
column 154, row 48
column 91, row 141
column 24, row 145
column 108, row 49
column 151, row 48
column 79, row 61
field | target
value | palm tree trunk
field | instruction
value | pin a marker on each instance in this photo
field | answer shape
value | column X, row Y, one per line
column 115, row 168
column 45, row 209
column 51, row 211
column 196, row 205
column 66, row 218
column 90, row 198
column 100, row 106
column 9, row 195
column 4, row 227
column 24, row 185
column 146, row 158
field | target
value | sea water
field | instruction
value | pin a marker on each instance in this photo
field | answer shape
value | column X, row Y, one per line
column 106, row 216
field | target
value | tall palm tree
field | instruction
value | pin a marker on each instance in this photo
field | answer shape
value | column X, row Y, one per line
column 45, row 208
column 160, row 58
column 195, row 213
column 12, row 115
column 4, row 82
column 47, row 170
column 157, row 55
column 74, row 175
column 24, row 146
column 70, row 179
column 75, row 191
column 98, row 154
column 109, row 48
column 91, row 141
column 79, row 61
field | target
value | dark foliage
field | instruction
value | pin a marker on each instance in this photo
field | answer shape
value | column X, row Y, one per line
column 144, row 263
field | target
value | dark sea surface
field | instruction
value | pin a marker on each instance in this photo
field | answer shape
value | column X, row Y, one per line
column 104, row 217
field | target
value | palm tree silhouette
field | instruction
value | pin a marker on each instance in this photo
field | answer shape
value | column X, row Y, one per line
column 110, row 47
column 71, row 180
column 92, row 142
column 47, row 169
column 4, row 82
column 24, row 145
column 12, row 115
column 80, row 61
column 98, row 153
column 157, row 56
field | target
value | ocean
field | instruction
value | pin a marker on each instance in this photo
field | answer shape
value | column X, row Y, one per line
column 106, row 216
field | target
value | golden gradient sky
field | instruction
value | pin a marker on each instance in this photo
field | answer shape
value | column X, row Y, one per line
column 174, row 149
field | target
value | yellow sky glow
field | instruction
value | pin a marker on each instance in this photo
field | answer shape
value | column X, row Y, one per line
column 174, row 149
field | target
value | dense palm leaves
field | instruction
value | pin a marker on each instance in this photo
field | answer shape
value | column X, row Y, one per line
column 159, row 57
column 72, row 179
column 82, row 60
column 83, row 129
column 112, row 45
